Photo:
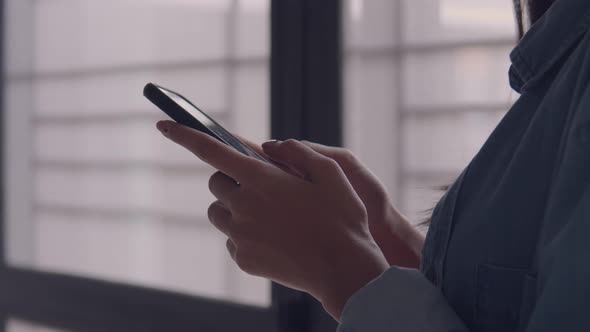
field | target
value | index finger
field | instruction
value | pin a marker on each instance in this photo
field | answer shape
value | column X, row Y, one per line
column 210, row 150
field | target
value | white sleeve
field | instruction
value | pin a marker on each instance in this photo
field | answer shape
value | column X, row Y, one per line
column 400, row 300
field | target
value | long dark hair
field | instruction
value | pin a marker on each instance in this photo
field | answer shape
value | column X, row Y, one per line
column 527, row 13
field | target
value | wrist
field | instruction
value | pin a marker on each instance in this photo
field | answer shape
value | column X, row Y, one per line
column 358, row 268
column 398, row 239
column 402, row 229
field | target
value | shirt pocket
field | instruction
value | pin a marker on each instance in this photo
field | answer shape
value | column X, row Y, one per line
column 501, row 298
column 529, row 299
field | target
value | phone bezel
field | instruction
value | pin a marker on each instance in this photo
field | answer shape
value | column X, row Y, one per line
column 176, row 112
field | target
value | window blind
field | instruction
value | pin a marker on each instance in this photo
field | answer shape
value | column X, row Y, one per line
column 93, row 189
column 426, row 81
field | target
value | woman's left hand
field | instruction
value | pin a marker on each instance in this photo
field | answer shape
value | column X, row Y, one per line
column 307, row 233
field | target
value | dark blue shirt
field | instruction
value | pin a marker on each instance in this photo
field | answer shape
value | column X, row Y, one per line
column 508, row 248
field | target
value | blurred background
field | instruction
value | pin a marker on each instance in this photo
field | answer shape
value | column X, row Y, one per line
column 93, row 191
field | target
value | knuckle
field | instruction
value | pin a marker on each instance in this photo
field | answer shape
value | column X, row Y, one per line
column 358, row 212
column 362, row 213
column 378, row 194
column 290, row 141
column 329, row 164
column 213, row 180
column 211, row 211
column 347, row 156
column 290, row 144
column 214, row 210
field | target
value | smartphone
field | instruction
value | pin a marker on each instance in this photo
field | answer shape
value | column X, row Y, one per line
column 186, row 113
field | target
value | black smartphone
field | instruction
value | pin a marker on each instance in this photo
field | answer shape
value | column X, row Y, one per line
column 186, row 113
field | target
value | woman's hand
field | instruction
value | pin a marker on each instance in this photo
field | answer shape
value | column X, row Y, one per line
column 307, row 233
column 398, row 239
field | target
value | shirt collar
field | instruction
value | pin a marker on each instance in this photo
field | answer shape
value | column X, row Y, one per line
column 548, row 41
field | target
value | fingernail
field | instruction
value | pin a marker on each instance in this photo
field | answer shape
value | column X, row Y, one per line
column 271, row 143
column 163, row 127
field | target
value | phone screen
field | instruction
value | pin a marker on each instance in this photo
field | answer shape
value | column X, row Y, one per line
column 214, row 128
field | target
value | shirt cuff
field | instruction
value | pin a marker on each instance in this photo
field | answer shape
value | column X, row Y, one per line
column 399, row 300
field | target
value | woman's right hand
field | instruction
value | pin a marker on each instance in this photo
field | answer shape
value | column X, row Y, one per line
column 400, row 242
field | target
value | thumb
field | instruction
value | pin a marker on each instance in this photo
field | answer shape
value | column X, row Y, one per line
column 311, row 165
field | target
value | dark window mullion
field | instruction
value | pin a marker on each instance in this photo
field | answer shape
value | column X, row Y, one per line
column 306, row 103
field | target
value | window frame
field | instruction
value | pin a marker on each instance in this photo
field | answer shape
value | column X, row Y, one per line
column 305, row 104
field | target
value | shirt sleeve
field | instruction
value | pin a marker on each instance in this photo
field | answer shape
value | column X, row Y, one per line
column 399, row 300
